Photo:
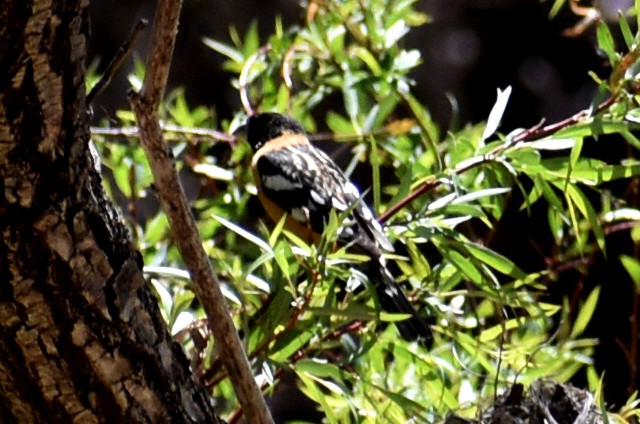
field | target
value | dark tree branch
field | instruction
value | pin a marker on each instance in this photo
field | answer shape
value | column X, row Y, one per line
column 117, row 61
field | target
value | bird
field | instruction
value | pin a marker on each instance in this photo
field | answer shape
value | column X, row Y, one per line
column 296, row 179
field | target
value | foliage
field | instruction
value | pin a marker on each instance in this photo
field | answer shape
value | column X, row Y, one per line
column 493, row 322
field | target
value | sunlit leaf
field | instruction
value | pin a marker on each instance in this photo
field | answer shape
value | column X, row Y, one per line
column 606, row 43
column 213, row 171
column 587, row 210
column 224, row 49
column 244, row 233
column 553, row 144
column 632, row 265
column 585, row 312
column 495, row 260
column 495, row 116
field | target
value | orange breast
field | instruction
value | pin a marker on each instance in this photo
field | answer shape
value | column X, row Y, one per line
column 275, row 213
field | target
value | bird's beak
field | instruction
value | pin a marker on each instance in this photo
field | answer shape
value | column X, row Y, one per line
column 240, row 133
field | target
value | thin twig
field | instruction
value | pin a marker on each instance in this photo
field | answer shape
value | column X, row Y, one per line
column 243, row 79
column 534, row 133
column 286, row 68
column 430, row 185
column 540, row 132
column 185, row 234
column 590, row 16
column 204, row 133
column 123, row 52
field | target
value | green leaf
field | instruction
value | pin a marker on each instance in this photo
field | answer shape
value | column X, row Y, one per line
column 479, row 194
column 465, row 209
column 409, row 406
column 277, row 314
column 632, row 265
column 369, row 59
column 375, row 161
column 157, row 229
column 627, row 34
column 251, row 39
column 350, row 96
column 495, row 260
column 587, row 210
column 182, row 300
column 289, row 344
column 427, row 125
column 318, row 368
column 166, row 301
column 587, row 171
column 576, row 150
column 310, row 388
column 465, row 266
column 557, row 6
column 580, row 237
column 556, row 224
column 353, row 311
column 335, row 37
column 523, row 157
column 473, row 346
column 637, row 9
column 630, row 137
column 277, row 230
column 282, row 252
column 394, row 33
column 585, row 313
column 122, row 177
column 606, row 43
column 381, row 111
column 224, row 49
column 337, row 124
column 597, row 126
column 549, row 193
column 499, row 330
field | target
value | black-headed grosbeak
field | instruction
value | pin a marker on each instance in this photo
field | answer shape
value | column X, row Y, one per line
column 296, row 179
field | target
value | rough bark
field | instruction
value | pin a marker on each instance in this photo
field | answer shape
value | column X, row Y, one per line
column 81, row 337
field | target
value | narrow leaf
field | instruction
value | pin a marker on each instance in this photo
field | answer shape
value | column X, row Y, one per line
column 496, row 113
column 244, row 233
column 553, row 144
column 585, row 313
column 495, row 260
column 632, row 265
column 587, row 210
column 224, row 49
column 606, row 43
column 625, row 29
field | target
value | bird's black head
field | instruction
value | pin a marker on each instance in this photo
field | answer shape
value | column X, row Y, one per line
column 262, row 127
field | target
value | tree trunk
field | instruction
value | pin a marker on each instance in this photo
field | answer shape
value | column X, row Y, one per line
column 81, row 337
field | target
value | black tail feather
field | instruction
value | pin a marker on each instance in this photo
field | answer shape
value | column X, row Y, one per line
column 392, row 299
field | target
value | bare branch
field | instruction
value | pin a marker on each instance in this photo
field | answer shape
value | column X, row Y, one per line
column 117, row 61
column 185, row 234
column 243, row 79
column 196, row 132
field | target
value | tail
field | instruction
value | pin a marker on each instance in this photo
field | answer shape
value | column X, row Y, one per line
column 393, row 300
